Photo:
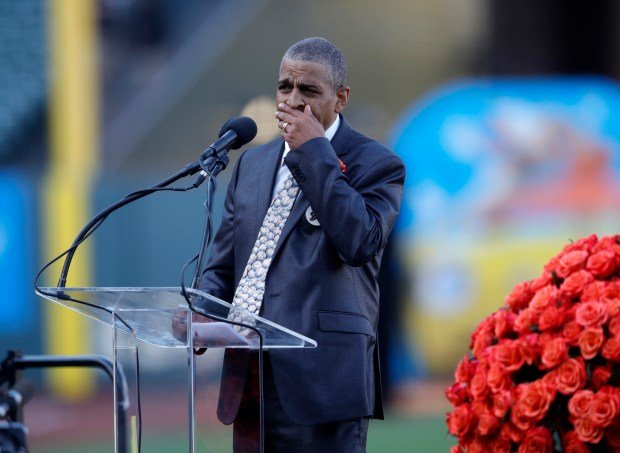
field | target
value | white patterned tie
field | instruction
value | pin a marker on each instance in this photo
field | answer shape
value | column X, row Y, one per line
column 251, row 288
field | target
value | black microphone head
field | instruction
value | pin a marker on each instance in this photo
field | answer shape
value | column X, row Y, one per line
column 244, row 127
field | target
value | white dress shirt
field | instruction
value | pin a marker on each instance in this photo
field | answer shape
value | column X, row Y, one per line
column 284, row 172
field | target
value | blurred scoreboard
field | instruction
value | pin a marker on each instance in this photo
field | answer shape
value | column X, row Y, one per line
column 501, row 174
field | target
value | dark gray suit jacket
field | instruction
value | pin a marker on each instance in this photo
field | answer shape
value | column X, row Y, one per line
column 322, row 281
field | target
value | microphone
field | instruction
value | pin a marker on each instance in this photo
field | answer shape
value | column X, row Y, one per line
column 15, row 398
column 235, row 133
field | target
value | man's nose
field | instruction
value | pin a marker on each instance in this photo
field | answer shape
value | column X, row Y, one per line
column 296, row 100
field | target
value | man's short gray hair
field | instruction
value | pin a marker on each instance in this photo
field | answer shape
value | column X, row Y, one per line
column 320, row 50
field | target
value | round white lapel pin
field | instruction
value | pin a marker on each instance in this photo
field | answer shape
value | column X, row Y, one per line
column 311, row 217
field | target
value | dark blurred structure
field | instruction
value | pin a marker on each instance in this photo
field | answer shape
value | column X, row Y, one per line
column 22, row 79
column 529, row 37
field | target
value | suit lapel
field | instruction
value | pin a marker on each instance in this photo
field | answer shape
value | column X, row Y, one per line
column 341, row 140
column 270, row 164
column 340, row 143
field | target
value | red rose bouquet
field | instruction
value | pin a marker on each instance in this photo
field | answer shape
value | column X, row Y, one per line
column 544, row 373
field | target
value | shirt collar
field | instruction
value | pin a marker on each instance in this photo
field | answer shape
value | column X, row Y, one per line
column 329, row 134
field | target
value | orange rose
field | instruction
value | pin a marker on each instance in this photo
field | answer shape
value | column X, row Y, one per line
column 461, row 421
column 613, row 306
column 611, row 349
column 502, row 402
column 509, row 353
column 614, row 326
column 525, row 321
column 519, row 419
column 603, row 409
column 498, row 378
column 534, row 399
column 571, row 376
column 602, row 264
column 579, row 404
column 504, row 322
column 537, row 440
column 587, row 430
column 479, row 407
column 510, row 433
column 478, row 387
column 591, row 314
column 498, row 445
column 588, row 243
column 571, row 331
column 488, row 424
column 594, row 291
column 550, row 318
column 574, row 284
column 590, row 342
column 520, row 296
column 600, row 376
column 572, row 444
column 608, row 242
column 482, row 337
column 465, row 370
column 530, row 348
column 571, row 262
column 611, row 296
column 457, row 393
column 550, row 378
column 554, row 353
column 540, row 282
column 544, row 298
column 478, row 446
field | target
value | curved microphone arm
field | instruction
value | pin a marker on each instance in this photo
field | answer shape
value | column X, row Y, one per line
column 188, row 170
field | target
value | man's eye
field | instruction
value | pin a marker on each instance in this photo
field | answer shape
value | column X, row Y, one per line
column 284, row 89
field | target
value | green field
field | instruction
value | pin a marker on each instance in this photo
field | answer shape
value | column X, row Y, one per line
column 418, row 434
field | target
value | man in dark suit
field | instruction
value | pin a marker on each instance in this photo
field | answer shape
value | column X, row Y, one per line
column 319, row 276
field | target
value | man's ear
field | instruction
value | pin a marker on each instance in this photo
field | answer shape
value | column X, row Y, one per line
column 342, row 94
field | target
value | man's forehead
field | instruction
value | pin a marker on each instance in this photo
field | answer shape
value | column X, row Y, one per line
column 304, row 70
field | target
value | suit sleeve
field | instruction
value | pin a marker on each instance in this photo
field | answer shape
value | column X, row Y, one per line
column 357, row 220
column 219, row 275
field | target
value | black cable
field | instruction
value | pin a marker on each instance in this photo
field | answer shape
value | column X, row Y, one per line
column 210, row 169
column 206, row 233
column 124, row 201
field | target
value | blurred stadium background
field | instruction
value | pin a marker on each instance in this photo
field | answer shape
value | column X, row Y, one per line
column 505, row 112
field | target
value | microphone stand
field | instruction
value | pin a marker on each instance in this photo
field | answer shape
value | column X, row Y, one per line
column 219, row 163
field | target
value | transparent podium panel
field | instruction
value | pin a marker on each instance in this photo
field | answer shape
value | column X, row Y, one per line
column 155, row 325
column 157, row 316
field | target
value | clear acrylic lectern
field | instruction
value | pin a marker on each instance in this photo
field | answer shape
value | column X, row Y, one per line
column 161, row 317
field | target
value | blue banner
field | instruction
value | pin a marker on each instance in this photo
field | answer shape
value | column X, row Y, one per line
column 16, row 254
